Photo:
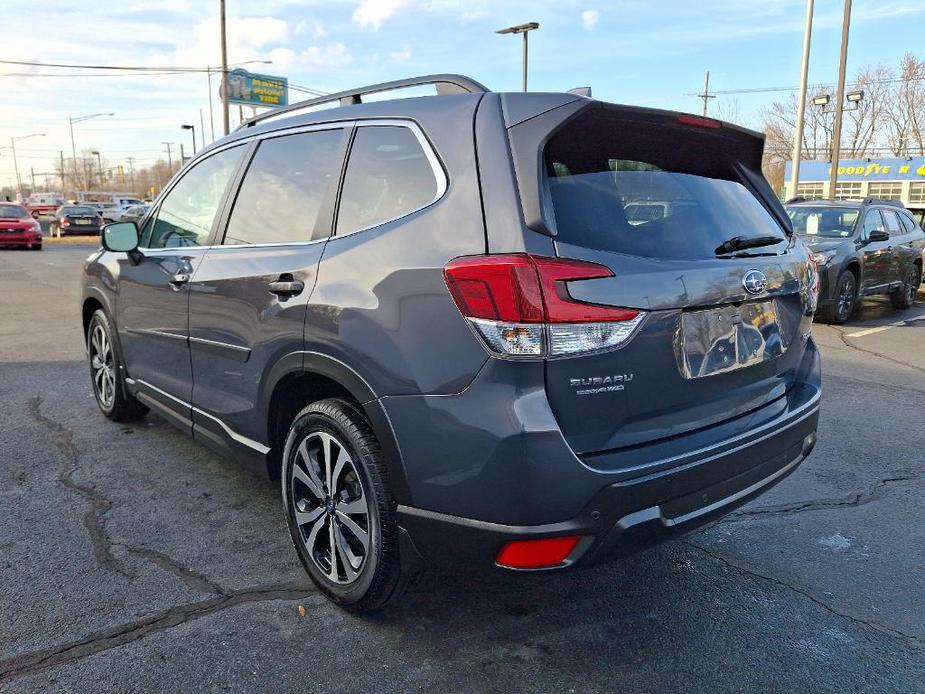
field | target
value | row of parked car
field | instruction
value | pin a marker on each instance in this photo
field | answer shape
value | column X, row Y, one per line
column 88, row 218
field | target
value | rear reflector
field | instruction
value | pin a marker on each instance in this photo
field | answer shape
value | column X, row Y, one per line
column 505, row 297
column 536, row 554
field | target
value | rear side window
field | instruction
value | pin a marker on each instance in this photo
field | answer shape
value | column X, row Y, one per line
column 388, row 175
column 907, row 223
column 649, row 190
column 284, row 188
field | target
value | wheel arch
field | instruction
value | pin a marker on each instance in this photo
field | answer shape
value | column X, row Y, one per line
column 301, row 378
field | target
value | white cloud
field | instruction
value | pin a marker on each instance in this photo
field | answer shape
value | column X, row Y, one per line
column 310, row 27
column 374, row 12
column 402, row 56
column 334, row 55
column 589, row 19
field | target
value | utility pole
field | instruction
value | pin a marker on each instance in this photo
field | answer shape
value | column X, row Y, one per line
column 202, row 130
column 706, row 96
column 63, row 181
column 225, row 116
column 521, row 29
column 131, row 171
column 16, row 167
column 182, row 156
column 169, row 159
column 801, row 104
column 32, row 175
column 839, row 98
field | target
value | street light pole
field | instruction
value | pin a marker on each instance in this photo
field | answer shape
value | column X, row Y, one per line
column 99, row 163
column 521, row 29
column 80, row 119
column 225, row 117
column 801, row 104
column 839, row 98
column 192, row 129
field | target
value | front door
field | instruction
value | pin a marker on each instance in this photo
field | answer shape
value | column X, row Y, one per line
column 152, row 308
column 875, row 254
column 248, row 296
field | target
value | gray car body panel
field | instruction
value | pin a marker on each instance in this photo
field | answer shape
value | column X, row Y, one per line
column 466, row 434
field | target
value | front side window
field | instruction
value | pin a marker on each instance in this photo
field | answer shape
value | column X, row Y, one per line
column 872, row 222
column 388, row 176
column 185, row 216
column 284, row 188
column 892, row 223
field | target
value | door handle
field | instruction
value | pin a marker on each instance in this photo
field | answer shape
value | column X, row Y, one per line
column 286, row 286
column 179, row 278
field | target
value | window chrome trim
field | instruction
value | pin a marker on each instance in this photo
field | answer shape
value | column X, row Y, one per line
column 216, row 343
column 437, row 168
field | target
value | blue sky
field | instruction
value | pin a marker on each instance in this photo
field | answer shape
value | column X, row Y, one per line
column 646, row 52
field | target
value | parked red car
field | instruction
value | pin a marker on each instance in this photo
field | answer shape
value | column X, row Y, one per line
column 17, row 228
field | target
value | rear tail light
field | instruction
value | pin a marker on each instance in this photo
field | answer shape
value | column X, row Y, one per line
column 520, row 306
column 537, row 554
column 699, row 121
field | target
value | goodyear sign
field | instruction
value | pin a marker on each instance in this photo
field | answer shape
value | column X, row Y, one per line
column 257, row 90
column 898, row 169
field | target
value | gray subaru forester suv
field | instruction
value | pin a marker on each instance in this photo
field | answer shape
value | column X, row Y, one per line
column 525, row 331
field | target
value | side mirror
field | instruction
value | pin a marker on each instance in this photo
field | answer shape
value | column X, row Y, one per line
column 122, row 237
column 878, row 235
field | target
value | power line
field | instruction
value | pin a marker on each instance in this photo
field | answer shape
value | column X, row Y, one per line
column 758, row 90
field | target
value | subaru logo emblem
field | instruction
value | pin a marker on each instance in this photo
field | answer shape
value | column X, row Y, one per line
column 755, row 282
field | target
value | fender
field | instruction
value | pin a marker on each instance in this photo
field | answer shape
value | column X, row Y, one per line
column 309, row 362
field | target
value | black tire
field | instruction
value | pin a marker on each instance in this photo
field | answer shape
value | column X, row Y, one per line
column 362, row 481
column 35, row 247
column 106, row 373
column 904, row 297
column 846, row 299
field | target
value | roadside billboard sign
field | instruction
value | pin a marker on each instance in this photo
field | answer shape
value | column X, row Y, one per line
column 254, row 89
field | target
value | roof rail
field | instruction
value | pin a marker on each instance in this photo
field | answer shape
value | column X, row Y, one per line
column 880, row 201
column 445, row 84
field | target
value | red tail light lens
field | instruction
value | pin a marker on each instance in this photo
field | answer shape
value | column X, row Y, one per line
column 499, row 287
column 537, row 554
column 699, row 121
column 520, row 305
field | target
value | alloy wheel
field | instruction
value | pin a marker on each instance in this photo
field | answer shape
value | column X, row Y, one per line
column 330, row 507
column 846, row 298
column 101, row 361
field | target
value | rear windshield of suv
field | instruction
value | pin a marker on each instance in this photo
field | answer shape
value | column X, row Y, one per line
column 649, row 190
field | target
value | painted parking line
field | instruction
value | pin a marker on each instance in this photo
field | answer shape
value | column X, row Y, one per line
column 881, row 328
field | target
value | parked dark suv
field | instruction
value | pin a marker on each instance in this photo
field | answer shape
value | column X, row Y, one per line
column 861, row 249
column 432, row 319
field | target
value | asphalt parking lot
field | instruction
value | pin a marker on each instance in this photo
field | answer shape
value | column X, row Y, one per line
column 132, row 559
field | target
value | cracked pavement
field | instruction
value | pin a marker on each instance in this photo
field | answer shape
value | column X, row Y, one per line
column 132, row 559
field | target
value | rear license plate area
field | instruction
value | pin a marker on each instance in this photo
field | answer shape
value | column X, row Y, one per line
column 726, row 338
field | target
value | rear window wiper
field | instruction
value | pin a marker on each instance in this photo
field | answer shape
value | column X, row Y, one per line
column 738, row 243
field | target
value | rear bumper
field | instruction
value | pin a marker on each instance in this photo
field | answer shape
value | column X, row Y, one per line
column 489, row 465
column 635, row 513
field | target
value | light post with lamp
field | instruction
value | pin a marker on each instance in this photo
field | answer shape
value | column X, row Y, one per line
column 521, row 29
column 13, row 141
column 80, row 119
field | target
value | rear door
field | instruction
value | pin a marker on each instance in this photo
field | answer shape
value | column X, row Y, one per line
column 248, row 296
column 153, row 296
column 721, row 332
